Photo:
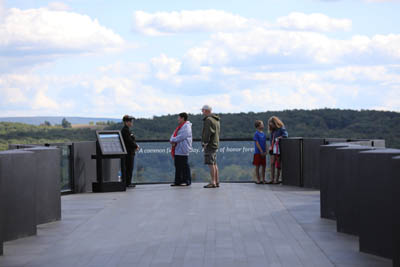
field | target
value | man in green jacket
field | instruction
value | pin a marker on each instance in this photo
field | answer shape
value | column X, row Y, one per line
column 210, row 143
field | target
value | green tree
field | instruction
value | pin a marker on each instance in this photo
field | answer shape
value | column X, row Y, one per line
column 65, row 123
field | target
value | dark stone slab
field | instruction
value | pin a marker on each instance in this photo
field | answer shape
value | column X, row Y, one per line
column 379, row 143
column 1, row 213
column 329, row 141
column 328, row 175
column 311, row 162
column 396, row 211
column 376, row 205
column 110, row 170
column 347, row 185
column 291, row 161
column 48, row 184
column 18, row 190
column 84, row 166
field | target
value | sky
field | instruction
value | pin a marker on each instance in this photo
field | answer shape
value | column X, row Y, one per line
column 101, row 58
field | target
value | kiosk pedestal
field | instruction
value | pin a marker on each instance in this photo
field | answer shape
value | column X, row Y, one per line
column 109, row 145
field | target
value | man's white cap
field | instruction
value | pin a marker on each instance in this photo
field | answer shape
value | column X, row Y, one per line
column 206, row 107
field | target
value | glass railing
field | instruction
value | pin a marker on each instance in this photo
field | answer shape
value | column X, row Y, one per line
column 66, row 168
column 66, row 162
column 154, row 163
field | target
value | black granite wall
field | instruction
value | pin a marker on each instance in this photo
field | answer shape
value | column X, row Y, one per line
column 311, row 162
column 48, row 183
column 17, row 169
column 348, row 187
column 291, row 161
column 84, row 166
column 328, row 174
column 1, row 212
column 376, row 201
column 396, row 211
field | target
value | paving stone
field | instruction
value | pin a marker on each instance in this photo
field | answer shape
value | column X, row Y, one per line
column 155, row 226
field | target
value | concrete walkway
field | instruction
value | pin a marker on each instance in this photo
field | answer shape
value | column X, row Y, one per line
column 156, row 225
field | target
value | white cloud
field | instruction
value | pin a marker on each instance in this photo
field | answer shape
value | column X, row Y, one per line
column 43, row 101
column 313, row 22
column 58, row 6
column 135, row 70
column 235, row 70
column 381, row 1
column 228, row 89
column 2, row 10
column 48, row 32
column 160, row 23
column 39, row 94
column 379, row 74
column 120, row 95
column 277, row 46
column 368, row 1
column 12, row 95
column 166, row 68
column 391, row 101
column 230, row 71
column 187, row 21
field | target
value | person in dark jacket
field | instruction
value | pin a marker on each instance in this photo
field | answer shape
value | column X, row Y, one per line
column 131, row 148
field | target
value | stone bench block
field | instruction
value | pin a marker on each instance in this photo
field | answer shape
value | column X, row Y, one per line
column 18, row 193
column 347, row 186
column 328, row 175
column 376, row 201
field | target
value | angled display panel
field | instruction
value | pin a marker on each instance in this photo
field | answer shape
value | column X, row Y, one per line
column 111, row 143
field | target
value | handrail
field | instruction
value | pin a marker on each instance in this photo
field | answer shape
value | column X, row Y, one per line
column 195, row 140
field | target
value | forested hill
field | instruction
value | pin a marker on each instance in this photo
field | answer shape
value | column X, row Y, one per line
column 37, row 120
column 304, row 123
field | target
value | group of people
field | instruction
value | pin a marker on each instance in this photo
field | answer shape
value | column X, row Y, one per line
column 277, row 131
column 181, row 142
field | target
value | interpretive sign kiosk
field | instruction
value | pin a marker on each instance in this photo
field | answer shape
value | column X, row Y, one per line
column 109, row 145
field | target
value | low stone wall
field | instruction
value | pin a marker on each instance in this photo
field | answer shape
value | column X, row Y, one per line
column 291, row 161
column 360, row 188
column 84, row 167
column 47, row 180
column 303, row 160
column 30, row 190
column 396, row 211
column 311, row 162
column 377, row 178
column 348, row 182
column 359, row 183
column 328, row 175
column 18, row 193
column 1, row 213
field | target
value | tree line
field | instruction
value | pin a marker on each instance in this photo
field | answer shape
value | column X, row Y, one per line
column 326, row 123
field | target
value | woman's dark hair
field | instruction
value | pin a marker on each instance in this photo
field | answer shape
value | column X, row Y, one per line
column 127, row 118
column 183, row 115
